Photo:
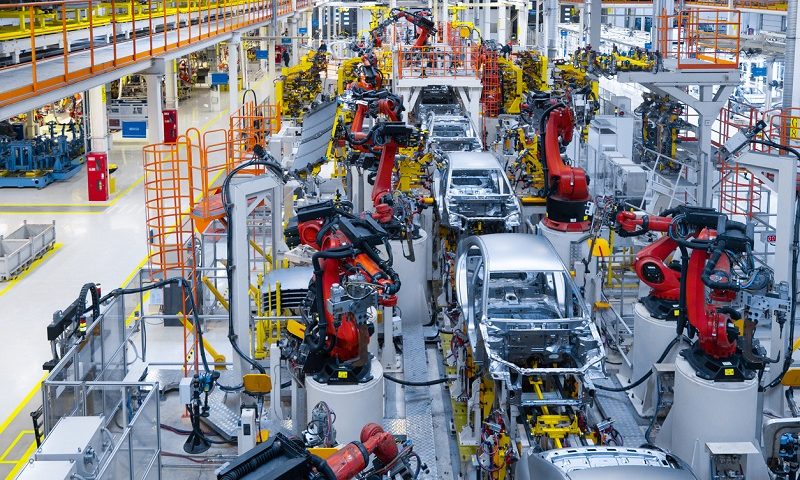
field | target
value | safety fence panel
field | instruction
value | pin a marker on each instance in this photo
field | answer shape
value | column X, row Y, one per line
column 424, row 62
column 700, row 39
column 114, row 34
column 783, row 128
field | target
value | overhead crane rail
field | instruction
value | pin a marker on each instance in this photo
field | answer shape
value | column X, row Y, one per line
column 113, row 34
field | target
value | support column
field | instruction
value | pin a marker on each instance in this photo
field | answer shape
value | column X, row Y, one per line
column 550, row 21
column 263, row 45
column 309, row 21
column 446, row 20
column 767, row 80
column 295, row 41
column 791, row 88
column 98, row 119
column 171, row 85
column 595, row 17
column 486, row 14
column 155, row 112
column 331, row 20
column 245, row 73
column 522, row 25
column 233, row 73
column 502, row 36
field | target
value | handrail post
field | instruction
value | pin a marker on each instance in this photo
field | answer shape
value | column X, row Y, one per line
column 65, row 40
column 114, row 29
column 33, row 47
column 91, row 36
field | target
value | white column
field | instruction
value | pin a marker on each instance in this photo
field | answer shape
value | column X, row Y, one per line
column 309, row 21
column 244, row 62
column 550, row 22
column 595, row 15
column 233, row 73
column 171, row 85
column 446, row 18
column 522, row 25
column 501, row 24
column 263, row 45
column 791, row 84
column 98, row 119
column 486, row 13
column 155, row 113
column 295, row 41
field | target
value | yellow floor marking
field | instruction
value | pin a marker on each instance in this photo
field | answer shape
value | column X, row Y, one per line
column 10, row 284
column 22, row 404
column 19, row 436
column 125, row 282
column 22, row 462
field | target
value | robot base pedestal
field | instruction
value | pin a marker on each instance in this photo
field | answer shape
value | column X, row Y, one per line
column 651, row 337
column 354, row 405
column 709, row 412
column 563, row 244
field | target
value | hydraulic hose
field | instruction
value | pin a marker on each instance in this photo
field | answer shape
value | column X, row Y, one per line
column 646, row 375
column 417, row 384
column 262, row 160
column 252, row 464
column 317, row 342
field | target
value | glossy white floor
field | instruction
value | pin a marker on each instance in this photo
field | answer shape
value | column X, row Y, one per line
column 103, row 245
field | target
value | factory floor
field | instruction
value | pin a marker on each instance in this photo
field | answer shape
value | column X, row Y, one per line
column 101, row 242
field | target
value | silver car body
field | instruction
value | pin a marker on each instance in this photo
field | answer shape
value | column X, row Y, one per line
column 471, row 188
column 451, row 133
column 523, row 309
column 602, row 463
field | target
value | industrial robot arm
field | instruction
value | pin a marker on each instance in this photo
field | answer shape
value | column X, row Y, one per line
column 568, row 200
column 423, row 23
column 350, row 279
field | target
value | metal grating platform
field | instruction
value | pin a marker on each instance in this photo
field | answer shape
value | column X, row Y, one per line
column 419, row 416
column 615, row 405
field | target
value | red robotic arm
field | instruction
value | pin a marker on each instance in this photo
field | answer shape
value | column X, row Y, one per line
column 349, row 278
column 650, row 264
column 425, row 26
column 569, row 196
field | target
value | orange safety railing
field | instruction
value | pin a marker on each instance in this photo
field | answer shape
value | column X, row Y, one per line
column 740, row 192
column 783, row 127
column 700, row 38
column 250, row 125
column 170, row 231
column 491, row 94
column 776, row 5
column 733, row 117
column 422, row 62
column 284, row 7
column 160, row 26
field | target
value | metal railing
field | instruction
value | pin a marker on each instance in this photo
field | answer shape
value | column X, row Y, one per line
column 700, row 39
column 89, row 381
column 440, row 61
column 116, row 33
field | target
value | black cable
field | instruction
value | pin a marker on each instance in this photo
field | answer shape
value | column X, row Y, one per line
column 183, row 283
column 261, row 159
column 417, row 384
column 646, row 375
column 787, row 363
column 659, row 395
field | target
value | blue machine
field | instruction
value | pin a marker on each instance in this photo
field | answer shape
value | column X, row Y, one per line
column 41, row 161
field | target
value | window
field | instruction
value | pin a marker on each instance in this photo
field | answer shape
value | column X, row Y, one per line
column 532, row 296
column 483, row 181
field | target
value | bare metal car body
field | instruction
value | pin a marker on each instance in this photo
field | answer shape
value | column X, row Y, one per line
column 602, row 463
column 451, row 133
column 472, row 188
column 525, row 317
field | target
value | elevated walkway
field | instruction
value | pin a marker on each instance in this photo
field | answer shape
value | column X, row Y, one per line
column 73, row 45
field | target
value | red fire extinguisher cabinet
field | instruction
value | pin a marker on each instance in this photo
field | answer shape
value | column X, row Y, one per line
column 170, row 126
column 97, row 173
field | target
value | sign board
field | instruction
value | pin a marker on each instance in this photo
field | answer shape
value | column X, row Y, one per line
column 563, row 33
column 302, row 30
column 134, row 129
column 648, row 46
column 758, row 71
column 219, row 78
column 286, row 41
column 262, row 54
